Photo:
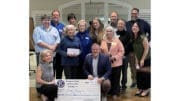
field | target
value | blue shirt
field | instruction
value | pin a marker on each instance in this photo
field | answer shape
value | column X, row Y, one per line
column 86, row 43
column 59, row 27
column 50, row 37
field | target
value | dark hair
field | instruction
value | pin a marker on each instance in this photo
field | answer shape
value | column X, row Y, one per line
column 55, row 11
column 70, row 16
column 139, row 33
column 45, row 17
column 135, row 9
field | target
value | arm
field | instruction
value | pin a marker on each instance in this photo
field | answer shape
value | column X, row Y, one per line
column 60, row 50
column 41, row 43
column 148, row 30
column 120, row 50
column 38, row 77
column 145, row 52
column 86, row 66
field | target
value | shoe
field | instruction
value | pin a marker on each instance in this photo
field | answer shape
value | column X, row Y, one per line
column 114, row 97
column 104, row 98
column 145, row 93
column 133, row 85
column 138, row 93
column 123, row 91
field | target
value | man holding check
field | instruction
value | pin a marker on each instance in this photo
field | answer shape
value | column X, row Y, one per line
column 98, row 66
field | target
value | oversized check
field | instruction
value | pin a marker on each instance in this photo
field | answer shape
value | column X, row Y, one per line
column 78, row 90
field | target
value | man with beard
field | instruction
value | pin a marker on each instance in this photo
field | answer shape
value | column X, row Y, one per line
column 144, row 26
column 59, row 26
column 114, row 20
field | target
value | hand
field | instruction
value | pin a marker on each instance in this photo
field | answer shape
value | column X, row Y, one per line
column 90, row 77
column 71, row 55
column 52, row 47
column 52, row 82
column 100, row 80
column 142, row 63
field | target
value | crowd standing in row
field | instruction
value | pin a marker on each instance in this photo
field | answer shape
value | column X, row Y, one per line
column 104, row 52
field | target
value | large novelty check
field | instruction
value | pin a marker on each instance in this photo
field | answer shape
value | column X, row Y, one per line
column 78, row 90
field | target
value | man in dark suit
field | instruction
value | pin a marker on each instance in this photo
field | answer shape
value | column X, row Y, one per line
column 98, row 66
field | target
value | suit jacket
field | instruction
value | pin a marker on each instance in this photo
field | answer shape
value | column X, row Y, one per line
column 103, row 68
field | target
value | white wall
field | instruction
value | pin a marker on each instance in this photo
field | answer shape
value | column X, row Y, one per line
column 39, row 7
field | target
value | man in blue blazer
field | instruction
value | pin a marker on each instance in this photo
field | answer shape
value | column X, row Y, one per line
column 97, row 65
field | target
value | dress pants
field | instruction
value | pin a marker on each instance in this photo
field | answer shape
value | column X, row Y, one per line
column 58, row 69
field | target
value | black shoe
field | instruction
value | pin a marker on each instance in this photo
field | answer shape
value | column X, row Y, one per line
column 133, row 85
column 123, row 90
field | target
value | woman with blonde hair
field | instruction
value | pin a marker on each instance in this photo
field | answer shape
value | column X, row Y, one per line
column 113, row 47
column 45, row 80
column 97, row 31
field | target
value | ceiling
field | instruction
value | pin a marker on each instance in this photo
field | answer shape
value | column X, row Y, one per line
column 53, row 4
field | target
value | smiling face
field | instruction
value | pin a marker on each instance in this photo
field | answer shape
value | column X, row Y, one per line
column 121, row 25
column 135, row 29
column 95, row 48
column 82, row 26
column 96, row 24
column 72, row 21
column 109, row 33
column 55, row 16
column 46, row 22
column 134, row 14
column 114, row 17
column 70, row 29
column 46, row 56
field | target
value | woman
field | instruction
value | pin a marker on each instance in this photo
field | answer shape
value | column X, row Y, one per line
column 96, row 31
column 69, row 49
column 143, row 60
column 86, row 43
column 113, row 47
column 45, row 80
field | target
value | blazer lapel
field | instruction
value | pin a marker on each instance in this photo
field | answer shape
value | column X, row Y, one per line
column 99, row 64
column 91, row 64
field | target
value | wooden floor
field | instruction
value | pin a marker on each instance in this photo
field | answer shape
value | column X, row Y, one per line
column 129, row 96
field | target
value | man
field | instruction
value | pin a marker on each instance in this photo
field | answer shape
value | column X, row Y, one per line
column 98, row 66
column 45, row 36
column 59, row 26
column 114, row 20
column 144, row 28
column 71, row 19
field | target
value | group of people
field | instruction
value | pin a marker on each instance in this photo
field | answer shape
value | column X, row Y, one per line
column 95, row 51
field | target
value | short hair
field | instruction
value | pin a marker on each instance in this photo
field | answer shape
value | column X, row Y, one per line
column 95, row 44
column 55, row 11
column 82, row 21
column 70, row 16
column 45, row 17
column 112, row 29
column 44, row 52
column 135, row 9
column 115, row 13
column 69, row 26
